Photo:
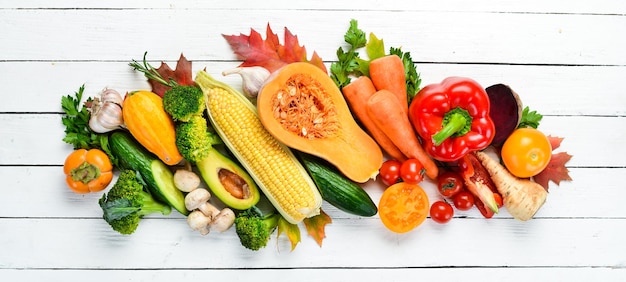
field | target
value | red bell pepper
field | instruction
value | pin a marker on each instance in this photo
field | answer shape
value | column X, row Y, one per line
column 452, row 118
column 479, row 183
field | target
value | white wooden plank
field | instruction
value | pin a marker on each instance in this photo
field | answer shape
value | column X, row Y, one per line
column 43, row 190
column 20, row 141
column 529, row 6
column 57, row 79
column 547, row 89
column 553, row 274
column 163, row 243
column 478, row 37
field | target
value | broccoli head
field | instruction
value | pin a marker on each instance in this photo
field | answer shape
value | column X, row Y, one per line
column 182, row 102
column 127, row 202
column 193, row 139
column 254, row 230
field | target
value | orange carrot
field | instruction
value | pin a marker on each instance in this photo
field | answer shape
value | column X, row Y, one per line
column 385, row 110
column 388, row 73
column 357, row 93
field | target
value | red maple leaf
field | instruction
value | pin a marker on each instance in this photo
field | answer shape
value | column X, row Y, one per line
column 269, row 53
column 555, row 142
column 556, row 170
column 182, row 75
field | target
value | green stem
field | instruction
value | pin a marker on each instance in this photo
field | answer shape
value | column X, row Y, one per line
column 150, row 72
column 150, row 205
column 456, row 122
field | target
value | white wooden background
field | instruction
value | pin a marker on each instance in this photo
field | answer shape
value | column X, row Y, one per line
column 566, row 59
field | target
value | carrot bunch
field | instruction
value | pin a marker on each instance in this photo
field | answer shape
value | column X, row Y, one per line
column 380, row 95
column 380, row 102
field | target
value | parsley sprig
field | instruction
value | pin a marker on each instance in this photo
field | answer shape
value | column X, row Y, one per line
column 76, row 122
column 348, row 61
column 530, row 118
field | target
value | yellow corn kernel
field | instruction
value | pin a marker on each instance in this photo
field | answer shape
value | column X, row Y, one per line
column 277, row 172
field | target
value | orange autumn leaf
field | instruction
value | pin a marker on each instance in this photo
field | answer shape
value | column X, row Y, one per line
column 556, row 170
column 182, row 75
column 291, row 230
column 269, row 53
column 316, row 225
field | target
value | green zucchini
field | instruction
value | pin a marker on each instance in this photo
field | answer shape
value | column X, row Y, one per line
column 157, row 175
column 338, row 190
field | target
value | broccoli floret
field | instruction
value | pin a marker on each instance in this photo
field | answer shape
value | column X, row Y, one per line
column 254, row 230
column 182, row 102
column 193, row 139
column 127, row 202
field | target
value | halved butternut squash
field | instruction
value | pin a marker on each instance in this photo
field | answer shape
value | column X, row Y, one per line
column 303, row 108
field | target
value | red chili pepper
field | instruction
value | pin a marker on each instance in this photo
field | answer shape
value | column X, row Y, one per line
column 452, row 118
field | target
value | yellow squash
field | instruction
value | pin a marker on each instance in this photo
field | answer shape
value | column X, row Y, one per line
column 150, row 125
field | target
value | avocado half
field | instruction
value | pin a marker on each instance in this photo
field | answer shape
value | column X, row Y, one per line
column 217, row 169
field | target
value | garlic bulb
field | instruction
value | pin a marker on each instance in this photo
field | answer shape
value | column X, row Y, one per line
column 253, row 78
column 106, row 112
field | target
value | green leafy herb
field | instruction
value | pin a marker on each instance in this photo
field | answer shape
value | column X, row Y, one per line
column 530, row 118
column 355, row 36
column 76, row 122
column 348, row 61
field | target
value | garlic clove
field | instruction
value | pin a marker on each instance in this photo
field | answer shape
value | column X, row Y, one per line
column 253, row 78
column 106, row 112
column 109, row 95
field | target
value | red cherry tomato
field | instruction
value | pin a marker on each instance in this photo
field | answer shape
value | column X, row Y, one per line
column 441, row 212
column 412, row 171
column 449, row 183
column 390, row 172
column 463, row 200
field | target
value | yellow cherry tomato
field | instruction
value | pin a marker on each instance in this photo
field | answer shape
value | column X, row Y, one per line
column 526, row 152
column 88, row 170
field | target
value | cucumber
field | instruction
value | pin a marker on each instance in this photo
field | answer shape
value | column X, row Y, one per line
column 157, row 175
column 338, row 190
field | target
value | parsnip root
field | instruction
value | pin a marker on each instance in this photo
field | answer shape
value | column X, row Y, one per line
column 522, row 197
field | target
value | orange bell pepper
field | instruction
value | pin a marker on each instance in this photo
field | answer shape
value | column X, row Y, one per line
column 88, row 170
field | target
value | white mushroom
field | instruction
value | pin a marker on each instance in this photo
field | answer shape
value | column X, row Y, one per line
column 199, row 200
column 196, row 198
column 199, row 222
column 224, row 220
column 209, row 210
column 186, row 180
column 204, row 212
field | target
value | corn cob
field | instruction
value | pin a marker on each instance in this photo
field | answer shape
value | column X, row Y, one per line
column 272, row 165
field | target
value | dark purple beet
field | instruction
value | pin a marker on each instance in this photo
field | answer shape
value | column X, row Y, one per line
column 506, row 111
